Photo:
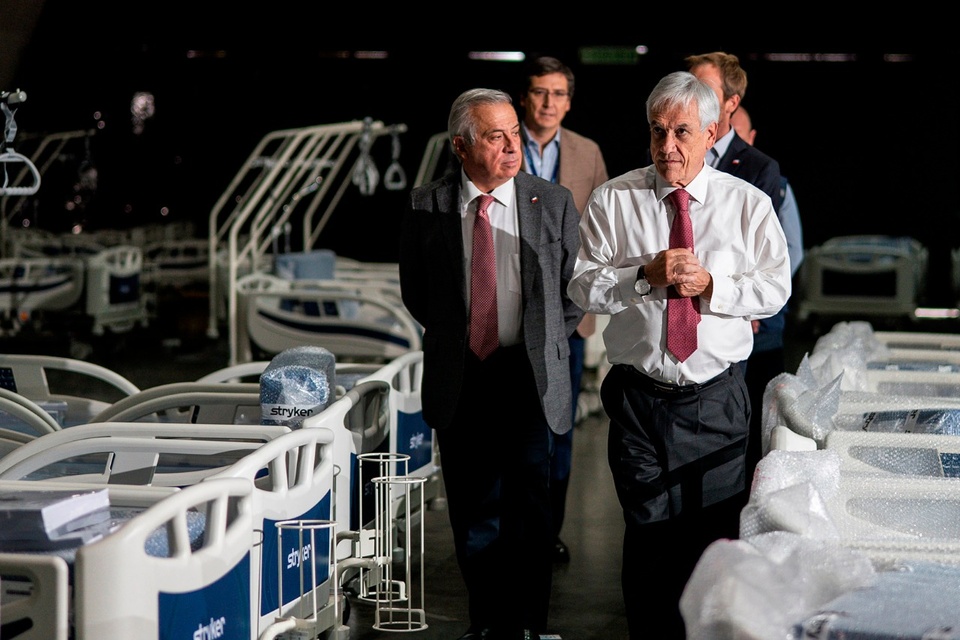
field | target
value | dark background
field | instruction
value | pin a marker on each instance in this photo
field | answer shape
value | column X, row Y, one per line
column 861, row 139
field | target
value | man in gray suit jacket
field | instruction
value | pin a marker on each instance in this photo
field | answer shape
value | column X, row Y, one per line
column 493, row 415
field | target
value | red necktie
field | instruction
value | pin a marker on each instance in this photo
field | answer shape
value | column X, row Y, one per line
column 484, row 337
column 683, row 314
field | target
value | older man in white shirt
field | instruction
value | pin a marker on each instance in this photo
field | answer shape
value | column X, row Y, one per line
column 679, row 421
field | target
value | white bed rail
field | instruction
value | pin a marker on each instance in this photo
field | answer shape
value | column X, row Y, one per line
column 354, row 319
column 289, row 170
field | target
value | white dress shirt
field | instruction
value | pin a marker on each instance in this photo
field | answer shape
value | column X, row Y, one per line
column 506, row 247
column 737, row 238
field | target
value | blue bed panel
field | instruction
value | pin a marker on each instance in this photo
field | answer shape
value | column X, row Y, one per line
column 415, row 439
column 219, row 611
column 294, row 557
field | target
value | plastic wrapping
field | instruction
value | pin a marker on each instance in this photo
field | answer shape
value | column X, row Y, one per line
column 758, row 589
column 297, row 384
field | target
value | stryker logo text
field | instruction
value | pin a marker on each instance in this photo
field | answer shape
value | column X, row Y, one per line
column 279, row 411
column 212, row 631
column 297, row 557
column 416, row 441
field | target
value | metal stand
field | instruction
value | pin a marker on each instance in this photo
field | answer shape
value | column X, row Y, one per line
column 317, row 603
column 399, row 603
column 398, row 513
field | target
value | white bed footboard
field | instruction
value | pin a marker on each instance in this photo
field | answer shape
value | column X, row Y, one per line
column 127, row 593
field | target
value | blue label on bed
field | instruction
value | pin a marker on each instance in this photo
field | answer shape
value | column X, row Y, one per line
column 950, row 462
column 415, row 439
column 299, row 554
column 219, row 611
column 124, row 289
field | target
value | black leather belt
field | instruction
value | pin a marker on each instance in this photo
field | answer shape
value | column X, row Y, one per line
column 667, row 390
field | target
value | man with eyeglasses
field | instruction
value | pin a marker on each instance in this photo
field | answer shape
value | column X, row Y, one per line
column 560, row 155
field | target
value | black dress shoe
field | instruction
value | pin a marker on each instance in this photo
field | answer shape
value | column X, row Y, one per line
column 560, row 552
column 476, row 634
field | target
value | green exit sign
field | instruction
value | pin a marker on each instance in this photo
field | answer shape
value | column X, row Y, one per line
column 611, row 55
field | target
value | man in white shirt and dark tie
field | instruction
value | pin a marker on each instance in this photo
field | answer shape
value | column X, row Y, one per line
column 678, row 421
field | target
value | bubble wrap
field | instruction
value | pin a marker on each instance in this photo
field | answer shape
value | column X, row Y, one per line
column 289, row 394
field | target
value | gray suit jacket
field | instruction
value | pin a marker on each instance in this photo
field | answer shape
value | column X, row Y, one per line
column 433, row 285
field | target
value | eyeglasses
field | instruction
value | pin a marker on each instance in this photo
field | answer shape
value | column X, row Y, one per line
column 540, row 94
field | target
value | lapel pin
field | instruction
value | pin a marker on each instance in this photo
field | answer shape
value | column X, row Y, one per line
column 736, row 161
column 534, row 199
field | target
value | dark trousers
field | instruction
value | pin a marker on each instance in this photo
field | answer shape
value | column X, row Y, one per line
column 496, row 468
column 677, row 459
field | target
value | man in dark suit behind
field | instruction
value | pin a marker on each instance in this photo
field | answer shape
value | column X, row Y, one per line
column 734, row 155
column 731, row 154
column 493, row 415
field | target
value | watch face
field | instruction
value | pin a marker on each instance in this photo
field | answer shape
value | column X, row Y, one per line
column 642, row 287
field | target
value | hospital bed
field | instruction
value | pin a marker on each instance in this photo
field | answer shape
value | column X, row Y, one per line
column 779, row 583
column 863, row 275
column 115, row 299
column 73, row 391
column 293, row 180
column 362, row 417
column 813, row 410
column 190, row 402
column 851, row 530
column 863, row 363
column 292, row 475
column 115, row 587
column 856, row 538
column 31, row 243
column 159, row 454
column 176, row 263
column 408, row 434
column 356, row 319
column 31, row 287
column 906, row 349
column 101, row 283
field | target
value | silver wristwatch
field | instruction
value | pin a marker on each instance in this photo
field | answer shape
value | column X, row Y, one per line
column 641, row 286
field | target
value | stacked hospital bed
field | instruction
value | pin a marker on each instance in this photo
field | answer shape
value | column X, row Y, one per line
column 272, row 283
column 852, row 529
column 105, row 286
column 108, row 278
column 267, row 524
column 863, row 275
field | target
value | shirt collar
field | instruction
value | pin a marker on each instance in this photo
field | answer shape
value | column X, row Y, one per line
column 530, row 142
column 720, row 146
column 469, row 191
column 697, row 187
